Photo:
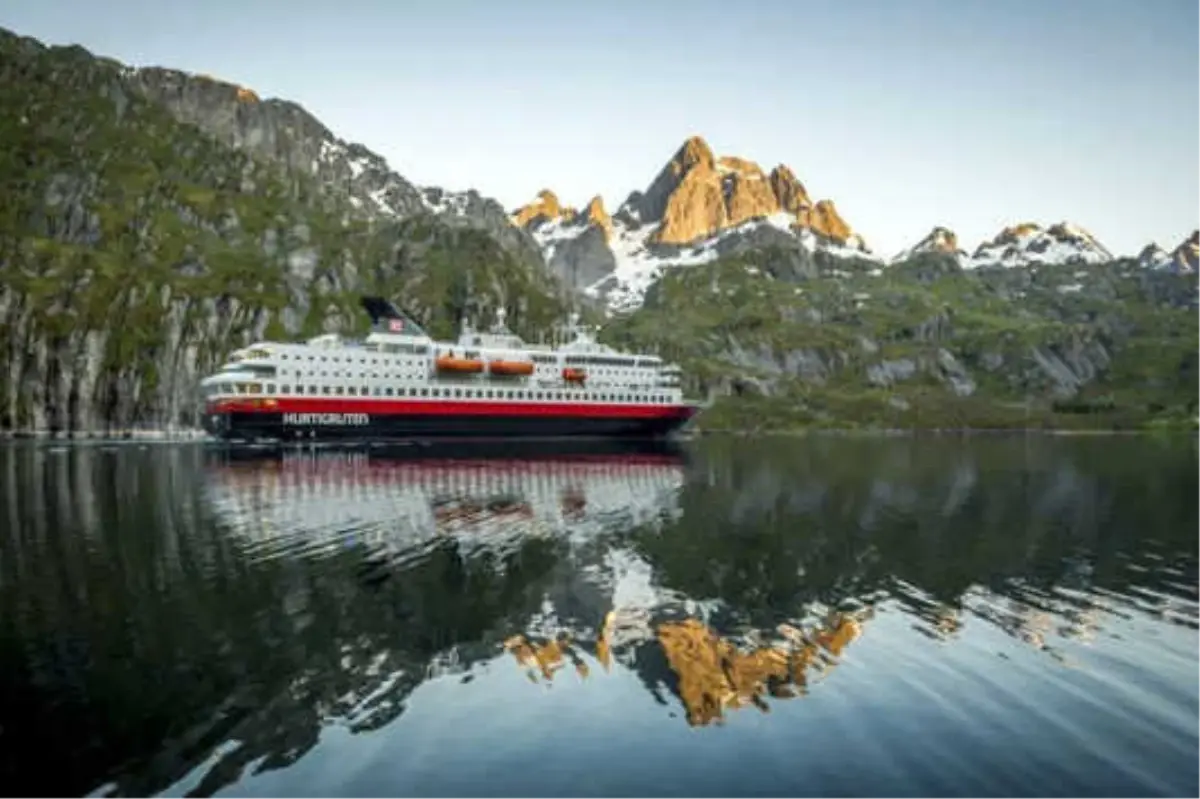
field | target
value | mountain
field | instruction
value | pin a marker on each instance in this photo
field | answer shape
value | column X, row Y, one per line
column 698, row 208
column 1030, row 243
column 939, row 240
column 1183, row 260
column 153, row 221
column 925, row 343
column 1025, row 244
column 1186, row 257
column 1154, row 257
column 702, row 207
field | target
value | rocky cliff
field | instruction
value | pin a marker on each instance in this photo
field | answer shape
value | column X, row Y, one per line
column 153, row 221
column 698, row 208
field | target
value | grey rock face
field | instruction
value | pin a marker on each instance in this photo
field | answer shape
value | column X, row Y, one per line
column 584, row 260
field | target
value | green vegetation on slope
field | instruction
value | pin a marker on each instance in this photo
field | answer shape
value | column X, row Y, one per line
column 924, row 344
column 136, row 251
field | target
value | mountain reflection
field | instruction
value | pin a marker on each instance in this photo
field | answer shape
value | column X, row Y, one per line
column 170, row 611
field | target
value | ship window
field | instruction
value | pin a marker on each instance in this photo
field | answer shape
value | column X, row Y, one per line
column 489, row 393
column 351, row 390
column 538, row 396
column 424, row 392
column 366, row 391
column 270, row 388
column 389, row 391
column 312, row 389
column 339, row 390
column 458, row 392
column 325, row 390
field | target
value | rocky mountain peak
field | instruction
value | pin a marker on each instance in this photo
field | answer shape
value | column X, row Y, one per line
column 698, row 194
column 942, row 239
column 1152, row 255
column 788, row 190
column 824, row 220
column 1029, row 242
column 544, row 206
column 693, row 152
column 938, row 240
column 1014, row 234
column 595, row 214
column 1186, row 257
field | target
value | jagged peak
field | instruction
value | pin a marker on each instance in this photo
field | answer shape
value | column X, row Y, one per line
column 1186, row 257
column 1024, row 231
column 741, row 167
column 1014, row 233
column 939, row 239
column 694, row 150
column 595, row 214
column 1030, row 242
column 545, row 205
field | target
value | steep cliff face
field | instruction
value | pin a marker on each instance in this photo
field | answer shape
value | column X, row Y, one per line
column 137, row 249
column 287, row 136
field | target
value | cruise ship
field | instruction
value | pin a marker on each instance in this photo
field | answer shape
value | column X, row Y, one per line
column 399, row 384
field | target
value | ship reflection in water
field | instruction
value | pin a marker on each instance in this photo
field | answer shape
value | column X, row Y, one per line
column 842, row 617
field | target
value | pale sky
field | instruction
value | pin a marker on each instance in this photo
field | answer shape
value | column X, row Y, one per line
column 972, row 114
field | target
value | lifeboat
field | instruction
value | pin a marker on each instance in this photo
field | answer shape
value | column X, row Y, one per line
column 574, row 375
column 510, row 368
column 448, row 363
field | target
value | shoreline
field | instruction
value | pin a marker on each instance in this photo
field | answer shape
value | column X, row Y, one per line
column 189, row 435
column 145, row 434
column 897, row 432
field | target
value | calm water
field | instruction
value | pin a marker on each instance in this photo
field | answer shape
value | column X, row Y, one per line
column 788, row 617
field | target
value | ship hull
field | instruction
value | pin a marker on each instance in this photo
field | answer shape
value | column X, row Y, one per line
column 364, row 423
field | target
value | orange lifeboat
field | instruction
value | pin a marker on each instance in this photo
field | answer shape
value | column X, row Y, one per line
column 448, row 363
column 510, row 368
column 574, row 375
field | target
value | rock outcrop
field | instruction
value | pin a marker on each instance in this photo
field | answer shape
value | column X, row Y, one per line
column 1029, row 243
column 697, row 195
column 1186, row 257
column 546, row 209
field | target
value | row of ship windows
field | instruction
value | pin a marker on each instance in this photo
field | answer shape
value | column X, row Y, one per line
column 570, row 360
column 418, row 370
column 460, row 393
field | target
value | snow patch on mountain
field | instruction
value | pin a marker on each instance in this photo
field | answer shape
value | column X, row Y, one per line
column 1029, row 244
column 640, row 261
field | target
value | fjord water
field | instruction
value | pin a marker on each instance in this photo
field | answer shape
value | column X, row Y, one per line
column 821, row 616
